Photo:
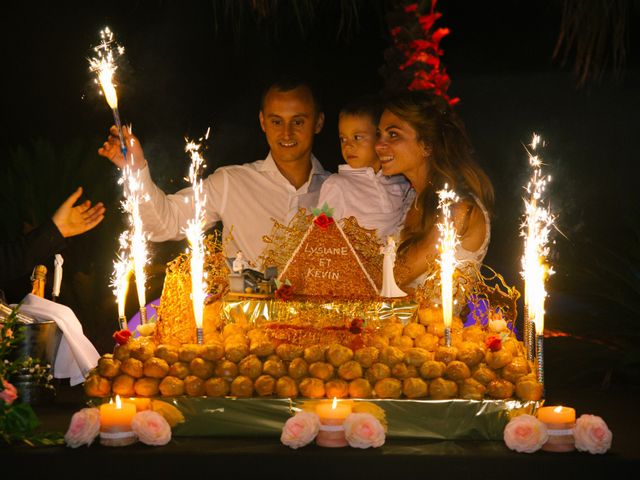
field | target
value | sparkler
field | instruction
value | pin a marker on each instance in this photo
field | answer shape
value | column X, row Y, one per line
column 535, row 229
column 122, row 269
column 447, row 246
column 194, row 233
column 138, row 240
column 104, row 66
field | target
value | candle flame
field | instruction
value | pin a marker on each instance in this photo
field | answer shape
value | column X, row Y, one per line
column 535, row 229
column 104, row 65
column 118, row 402
column 447, row 247
column 194, row 231
column 335, row 403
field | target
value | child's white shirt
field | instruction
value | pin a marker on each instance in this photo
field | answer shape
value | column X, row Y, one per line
column 378, row 202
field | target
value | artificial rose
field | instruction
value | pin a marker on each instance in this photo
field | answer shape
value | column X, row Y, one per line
column 525, row 433
column 493, row 343
column 592, row 434
column 363, row 430
column 356, row 326
column 284, row 292
column 151, row 428
column 9, row 394
column 122, row 336
column 83, row 428
column 323, row 221
column 300, row 429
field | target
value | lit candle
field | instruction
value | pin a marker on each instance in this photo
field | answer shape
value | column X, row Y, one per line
column 560, row 422
column 115, row 423
column 332, row 416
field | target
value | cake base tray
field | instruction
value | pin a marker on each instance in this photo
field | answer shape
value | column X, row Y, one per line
column 425, row 419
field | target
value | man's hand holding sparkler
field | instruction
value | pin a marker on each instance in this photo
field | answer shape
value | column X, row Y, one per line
column 111, row 149
column 72, row 220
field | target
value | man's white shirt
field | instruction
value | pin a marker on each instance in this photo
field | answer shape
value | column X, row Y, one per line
column 246, row 198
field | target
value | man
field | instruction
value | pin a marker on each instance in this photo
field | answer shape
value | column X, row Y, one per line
column 246, row 198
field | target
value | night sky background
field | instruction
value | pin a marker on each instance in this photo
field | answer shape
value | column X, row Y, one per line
column 187, row 69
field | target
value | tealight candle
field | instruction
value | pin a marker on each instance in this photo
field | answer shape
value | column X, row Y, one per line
column 560, row 422
column 115, row 423
column 332, row 416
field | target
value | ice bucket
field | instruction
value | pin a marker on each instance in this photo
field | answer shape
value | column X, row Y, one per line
column 40, row 341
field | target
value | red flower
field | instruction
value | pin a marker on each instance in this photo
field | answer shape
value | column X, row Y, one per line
column 395, row 31
column 122, row 336
column 411, row 8
column 356, row 326
column 427, row 21
column 322, row 221
column 284, row 292
column 493, row 343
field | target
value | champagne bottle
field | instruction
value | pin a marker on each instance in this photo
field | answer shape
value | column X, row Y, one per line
column 38, row 280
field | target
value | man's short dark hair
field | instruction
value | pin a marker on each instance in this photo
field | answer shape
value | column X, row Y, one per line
column 286, row 83
column 370, row 105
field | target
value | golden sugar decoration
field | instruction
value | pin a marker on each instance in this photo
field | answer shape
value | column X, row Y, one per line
column 283, row 240
column 492, row 288
column 176, row 322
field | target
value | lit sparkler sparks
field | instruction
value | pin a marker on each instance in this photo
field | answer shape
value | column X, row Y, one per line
column 447, row 247
column 122, row 270
column 195, row 236
column 137, row 239
column 104, row 66
column 535, row 229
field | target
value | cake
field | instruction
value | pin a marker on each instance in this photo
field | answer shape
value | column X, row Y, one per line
column 324, row 333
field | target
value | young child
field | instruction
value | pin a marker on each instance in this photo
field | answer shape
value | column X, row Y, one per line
column 359, row 189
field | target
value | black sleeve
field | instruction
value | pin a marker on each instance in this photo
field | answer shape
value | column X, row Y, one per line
column 18, row 258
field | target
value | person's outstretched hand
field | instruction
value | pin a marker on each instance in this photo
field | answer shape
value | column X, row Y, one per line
column 111, row 149
column 72, row 220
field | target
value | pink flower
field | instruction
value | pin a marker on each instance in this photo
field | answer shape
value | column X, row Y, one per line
column 592, row 434
column 151, row 428
column 84, row 428
column 300, row 429
column 9, row 394
column 363, row 430
column 525, row 433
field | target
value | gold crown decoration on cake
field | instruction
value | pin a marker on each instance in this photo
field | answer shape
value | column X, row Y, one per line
column 325, row 263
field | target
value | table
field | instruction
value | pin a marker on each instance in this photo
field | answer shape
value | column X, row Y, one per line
column 258, row 458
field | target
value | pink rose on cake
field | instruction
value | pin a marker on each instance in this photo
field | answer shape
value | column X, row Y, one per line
column 525, row 434
column 83, row 428
column 363, row 430
column 300, row 429
column 151, row 428
column 592, row 434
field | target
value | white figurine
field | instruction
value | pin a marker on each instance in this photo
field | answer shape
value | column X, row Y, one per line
column 389, row 287
column 239, row 263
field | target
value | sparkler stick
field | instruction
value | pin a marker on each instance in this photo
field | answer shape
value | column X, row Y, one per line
column 104, row 65
column 447, row 246
column 535, row 230
column 194, row 233
column 122, row 269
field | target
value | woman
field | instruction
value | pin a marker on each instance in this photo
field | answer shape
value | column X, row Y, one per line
column 422, row 138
